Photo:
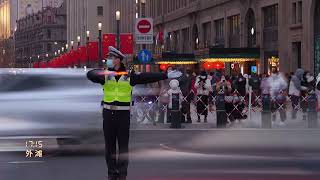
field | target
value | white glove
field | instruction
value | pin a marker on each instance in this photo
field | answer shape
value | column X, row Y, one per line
column 174, row 74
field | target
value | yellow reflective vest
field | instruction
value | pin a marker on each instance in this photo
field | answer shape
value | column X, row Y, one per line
column 120, row 91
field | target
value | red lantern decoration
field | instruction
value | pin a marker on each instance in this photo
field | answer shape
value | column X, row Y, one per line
column 218, row 65
column 164, row 67
column 213, row 65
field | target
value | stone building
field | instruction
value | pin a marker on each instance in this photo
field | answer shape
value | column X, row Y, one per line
column 287, row 32
column 40, row 34
column 8, row 17
column 83, row 16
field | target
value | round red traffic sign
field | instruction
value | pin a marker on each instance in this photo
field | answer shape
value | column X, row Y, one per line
column 144, row 26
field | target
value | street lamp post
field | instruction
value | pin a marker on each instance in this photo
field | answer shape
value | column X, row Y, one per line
column 79, row 39
column 3, row 55
column 100, row 44
column 88, row 38
column 47, row 58
column 38, row 60
column 30, row 61
column 143, row 15
column 67, row 47
column 118, row 29
column 72, row 45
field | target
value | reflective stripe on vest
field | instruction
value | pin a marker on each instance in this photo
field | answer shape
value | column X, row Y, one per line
column 120, row 91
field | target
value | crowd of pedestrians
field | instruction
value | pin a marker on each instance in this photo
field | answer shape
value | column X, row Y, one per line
column 201, row 88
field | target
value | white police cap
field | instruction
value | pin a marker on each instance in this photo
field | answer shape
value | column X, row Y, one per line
column 115, row 52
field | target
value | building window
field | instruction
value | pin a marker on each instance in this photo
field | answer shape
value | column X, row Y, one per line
column 294, row 13
column 207, row 34
column 234, row 25
column 271, row 16
column 219, row 28
column 299, row 12
column 49, row 19
column 49, row 34
column 49, row 47
column 100, row 10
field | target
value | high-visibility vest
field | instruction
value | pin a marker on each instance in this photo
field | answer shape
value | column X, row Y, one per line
column 120, row 90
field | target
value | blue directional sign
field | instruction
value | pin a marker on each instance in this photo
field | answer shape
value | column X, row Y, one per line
column 144, row 56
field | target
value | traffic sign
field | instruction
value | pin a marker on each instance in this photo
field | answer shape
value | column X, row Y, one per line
column 144, row 31
column 144, row 56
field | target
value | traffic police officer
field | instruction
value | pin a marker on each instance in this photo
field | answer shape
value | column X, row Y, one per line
column 117, row 88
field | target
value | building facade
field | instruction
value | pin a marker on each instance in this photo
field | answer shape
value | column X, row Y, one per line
column 285, row 31
column 8, row 17
column 28, row 7
column 129, row 10
column 83, row 16
column 40, row 34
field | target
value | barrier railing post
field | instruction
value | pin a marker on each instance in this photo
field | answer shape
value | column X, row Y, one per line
column 312, row 111
column 250, row 104
column 175, row 114
column 266, row 112
column 222, row 118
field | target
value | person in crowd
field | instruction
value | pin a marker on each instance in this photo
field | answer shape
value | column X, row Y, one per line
column 203, row 86
column 295, row 89
column 247, row 77
column 318, row 89
column 304, row 95
column 224, row 87
column 163, row 99
column 265, row 86
column 255, row 83
column 185, row 82
column 310, row 89
column 241, row 85
column 174, row 103
column 239, row 93
column 278, row 87
column 214, row 81
column 234, row 81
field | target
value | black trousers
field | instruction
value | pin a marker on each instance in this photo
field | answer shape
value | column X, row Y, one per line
column 116, row 125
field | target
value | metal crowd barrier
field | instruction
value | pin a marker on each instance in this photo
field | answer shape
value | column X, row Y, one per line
column 233, row 111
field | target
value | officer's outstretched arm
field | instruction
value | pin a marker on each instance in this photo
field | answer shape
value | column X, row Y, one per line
column 96, row 76
column 145, row 78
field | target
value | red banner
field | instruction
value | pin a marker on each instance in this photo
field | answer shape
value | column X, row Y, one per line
column 93, row 51
column 82, row 54
column 108, row 40
column 73, row 57
column 42, row 65
column 36, row 65
column 126, row 43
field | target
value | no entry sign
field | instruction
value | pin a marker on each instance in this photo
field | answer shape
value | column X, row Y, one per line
column 144, row 31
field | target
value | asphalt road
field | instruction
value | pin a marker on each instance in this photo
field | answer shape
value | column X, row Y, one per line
column 186, row 155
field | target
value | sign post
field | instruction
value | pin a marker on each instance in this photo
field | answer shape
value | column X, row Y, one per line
column 144, row 31
column 144, row 56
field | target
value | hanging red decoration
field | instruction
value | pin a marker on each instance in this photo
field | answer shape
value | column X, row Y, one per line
column 164, row 67
column 213, row 65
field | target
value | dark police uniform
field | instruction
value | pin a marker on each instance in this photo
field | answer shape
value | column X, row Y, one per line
column 116, row 112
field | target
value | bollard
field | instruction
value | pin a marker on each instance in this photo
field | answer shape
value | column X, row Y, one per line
column 175, row 114
column 312, row 111
column 266, row 112
column 222, row 118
